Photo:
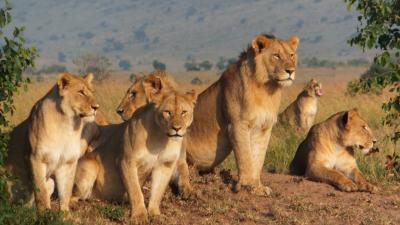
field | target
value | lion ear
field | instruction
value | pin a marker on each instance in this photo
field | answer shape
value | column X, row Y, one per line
column 89, row 77
column 192, row 96
column 259, row 43
column 294, row 41
column 63, row 82
column 152, row 86
column 348, row 117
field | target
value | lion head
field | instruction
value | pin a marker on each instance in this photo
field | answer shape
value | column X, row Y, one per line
column 174, row 112
column 313, row 88
column 77, row 98
column 355, row 131
column 275, row 59
column 137, row 95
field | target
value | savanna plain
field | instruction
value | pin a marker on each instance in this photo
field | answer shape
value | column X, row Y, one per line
column 295, row 200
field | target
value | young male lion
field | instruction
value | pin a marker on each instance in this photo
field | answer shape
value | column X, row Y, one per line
column 54, row 132
column 238, row 111
column 97, row 173
column 300, row 114
column 152, row 144
column 327, row 153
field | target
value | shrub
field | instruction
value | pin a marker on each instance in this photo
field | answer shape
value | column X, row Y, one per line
column 132, row 77
column 52, row 69
column 99, row 65
column 196, row 81
column 157, row 65
column 124, row 64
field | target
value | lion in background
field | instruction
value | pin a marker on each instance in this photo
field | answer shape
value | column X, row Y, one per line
column 327, row 153
column 52, row 138
column 300, row 114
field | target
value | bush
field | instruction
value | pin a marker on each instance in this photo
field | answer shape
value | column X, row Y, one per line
column 196, row 81
column 157, row 65
column 15, row 58
column 191, row 66
column 52, row 69
column 86, row 35
column 99, row 65
column 132, row 77
column 124, row 64
column 223, row 63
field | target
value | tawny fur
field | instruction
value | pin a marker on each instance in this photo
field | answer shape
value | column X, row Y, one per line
column 238, row 111
column 51, row 140
column 301, row 113
column 327, row 153
column 152, row 144
column 97, row 173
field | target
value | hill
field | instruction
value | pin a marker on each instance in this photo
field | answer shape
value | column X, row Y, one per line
column 174, row 31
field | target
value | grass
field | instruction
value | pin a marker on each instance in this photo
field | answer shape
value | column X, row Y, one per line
column 283, row 142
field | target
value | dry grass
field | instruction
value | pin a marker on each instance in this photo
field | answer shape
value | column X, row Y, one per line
column 219, row 209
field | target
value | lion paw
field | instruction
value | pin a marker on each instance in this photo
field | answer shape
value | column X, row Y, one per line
column 259, row 190
column 368, row 187
column 140, row 217
column 348, row 186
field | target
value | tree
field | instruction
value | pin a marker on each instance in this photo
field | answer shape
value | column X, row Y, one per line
column 124, row 64
column 378, row 28
column 157, row 65
column 99, row 65
column 206, row 65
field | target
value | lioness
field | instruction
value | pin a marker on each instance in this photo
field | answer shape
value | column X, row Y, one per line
column 301, row 113
column 238, row 111
column 97, row 173
column 53, row 145
column 152, row 143
column 327, row 153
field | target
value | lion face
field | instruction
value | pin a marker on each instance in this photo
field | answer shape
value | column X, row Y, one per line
column 141, row 92
column 77, row 95
column 278, row 56
column 134, row 98
column 356, row 132
column 314, row 89
column 175, row 113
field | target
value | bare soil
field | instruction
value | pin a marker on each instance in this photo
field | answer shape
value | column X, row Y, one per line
column 295, row 201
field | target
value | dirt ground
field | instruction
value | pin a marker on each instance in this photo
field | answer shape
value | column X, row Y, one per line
column 294, row 201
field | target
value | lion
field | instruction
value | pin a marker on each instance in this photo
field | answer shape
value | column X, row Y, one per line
column 97, row 173
column 51, row 144
column 135, row 95
column 300, row 114
column 238, row 111
column 152, row 144
column 327, row 153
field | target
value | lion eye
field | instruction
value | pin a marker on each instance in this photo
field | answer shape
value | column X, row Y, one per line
column 365, row 127
column 167, row 113
column 184, row 112
column 81, row 92
column 292, row 55
column 277, row 56
column 133, row 94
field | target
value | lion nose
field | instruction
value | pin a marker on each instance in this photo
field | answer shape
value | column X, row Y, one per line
column 374, row 141
column 289, row 71
column 176, row 127
column 95, row 106
column 120, row 110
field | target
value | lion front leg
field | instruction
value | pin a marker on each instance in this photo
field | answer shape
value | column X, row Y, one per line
column 131, row 181
column 41, row 193
column 65, row 176
column 259, row 145
column 362, row 183
column 240, row 138
column 160, row 178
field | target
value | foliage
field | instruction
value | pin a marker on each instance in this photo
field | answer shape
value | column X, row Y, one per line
column 223, row 63
column 196, row 81
column 97, row 64
column 132, row 77
column 124, row 64
column 203, row 66
column 52, row 69
column 112, row 212
column 379, row 23
column 157, row 65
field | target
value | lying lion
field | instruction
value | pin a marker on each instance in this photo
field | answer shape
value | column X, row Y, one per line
column 327, row 153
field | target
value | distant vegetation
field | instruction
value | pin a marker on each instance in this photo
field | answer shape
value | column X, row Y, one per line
column 124, row 64
column 97, row 64
column 194, row 66
column 316, row 62
column 157, row 65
